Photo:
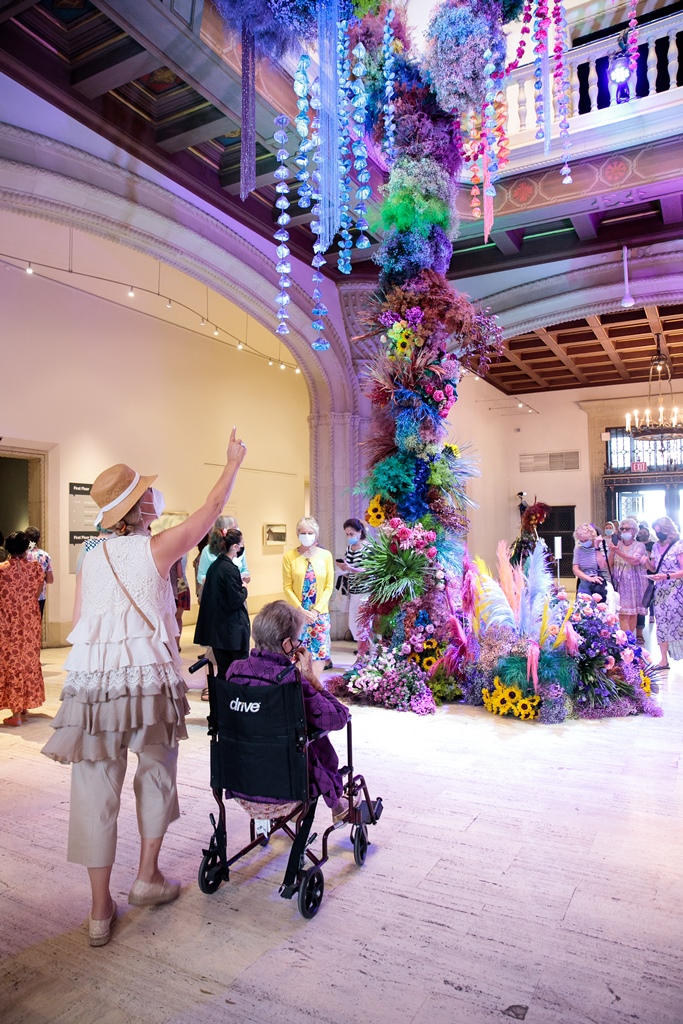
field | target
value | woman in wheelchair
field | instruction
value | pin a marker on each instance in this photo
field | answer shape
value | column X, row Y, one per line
column 276, row 632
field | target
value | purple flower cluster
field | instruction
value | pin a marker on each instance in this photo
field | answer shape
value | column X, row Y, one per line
column 553, row 709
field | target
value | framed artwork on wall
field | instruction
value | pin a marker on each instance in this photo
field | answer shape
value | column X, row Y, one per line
column 274, row 534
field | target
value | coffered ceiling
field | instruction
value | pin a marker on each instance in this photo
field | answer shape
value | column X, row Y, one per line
column 614, row 348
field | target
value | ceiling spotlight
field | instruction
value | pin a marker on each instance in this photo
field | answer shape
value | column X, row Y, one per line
column 520, row 405
column 202, row 322
column 529, row 410
column 215, row 332
column 282, row 366
column 240, row 345
column 29, row 269
column 619, row 70
column 168, row 304
column 131, row 292
column 628, row 299
column 297, row 370
column 270, row 362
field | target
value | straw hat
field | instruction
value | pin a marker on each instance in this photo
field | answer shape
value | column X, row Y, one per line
column 116, row 491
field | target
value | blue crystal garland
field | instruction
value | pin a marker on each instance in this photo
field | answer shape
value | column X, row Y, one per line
column 328, row 21
column 345, row 218
column 320, row 342
column 389, row 144
column 358, row 147
column 283, row 266
column 301, row 123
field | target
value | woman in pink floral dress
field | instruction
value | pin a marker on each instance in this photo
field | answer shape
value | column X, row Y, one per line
column 627, row 562
column 21, row 677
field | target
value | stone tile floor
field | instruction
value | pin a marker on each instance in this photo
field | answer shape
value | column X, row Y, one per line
column 519, row 872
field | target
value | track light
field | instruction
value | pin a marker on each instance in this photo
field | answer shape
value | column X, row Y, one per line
column 215, row 332
column 297, row 370
column 202, row 322
column 169, row 304
column 282, row 366
column 520, row 405
column 131, row 292
column 29, row 269
column 270, row 362
column 240, row 345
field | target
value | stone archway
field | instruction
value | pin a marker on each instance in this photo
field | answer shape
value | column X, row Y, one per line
column 42, row 178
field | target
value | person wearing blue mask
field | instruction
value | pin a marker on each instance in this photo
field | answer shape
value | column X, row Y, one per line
column 588, row 560
column 352, row 567
column 628, row 560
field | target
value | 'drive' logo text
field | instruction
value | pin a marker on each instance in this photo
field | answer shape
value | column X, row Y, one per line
column 241, row 705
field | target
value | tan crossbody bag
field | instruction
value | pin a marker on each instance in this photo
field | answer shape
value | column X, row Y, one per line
column 123, row 588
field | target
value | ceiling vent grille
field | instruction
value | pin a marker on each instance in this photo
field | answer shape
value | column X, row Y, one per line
column 549, row 462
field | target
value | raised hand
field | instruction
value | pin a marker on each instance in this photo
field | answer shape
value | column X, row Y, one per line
column 236, row 448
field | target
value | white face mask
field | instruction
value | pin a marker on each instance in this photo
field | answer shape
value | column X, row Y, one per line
column 306, row 539
column 627, row 535
column 158, row 503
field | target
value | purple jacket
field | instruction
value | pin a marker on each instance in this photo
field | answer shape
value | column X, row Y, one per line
column 323, row 711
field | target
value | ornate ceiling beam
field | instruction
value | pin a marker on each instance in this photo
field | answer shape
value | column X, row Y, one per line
column 516, row 361
column 656, row 326
column 606, row 342
column 12, row 8
column 561, row 354
column 114, row 67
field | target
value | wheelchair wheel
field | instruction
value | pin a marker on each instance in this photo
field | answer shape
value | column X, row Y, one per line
column 360, row 845
column 210, row 873
column 311, row 892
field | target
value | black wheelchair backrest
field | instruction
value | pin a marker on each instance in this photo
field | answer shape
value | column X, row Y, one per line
column 260, row 746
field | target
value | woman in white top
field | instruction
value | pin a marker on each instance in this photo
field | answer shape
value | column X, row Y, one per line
column 123, row 689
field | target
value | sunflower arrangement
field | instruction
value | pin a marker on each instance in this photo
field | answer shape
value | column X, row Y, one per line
column 505, row 700
column 374, row 514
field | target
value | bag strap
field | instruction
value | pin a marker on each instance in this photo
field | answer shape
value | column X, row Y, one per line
column 664, row 556
column 123, row 588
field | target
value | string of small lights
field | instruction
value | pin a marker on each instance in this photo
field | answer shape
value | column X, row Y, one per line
column 241, row 344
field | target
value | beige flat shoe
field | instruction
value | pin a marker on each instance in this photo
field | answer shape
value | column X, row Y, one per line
column 100, row 931
column 153, row 894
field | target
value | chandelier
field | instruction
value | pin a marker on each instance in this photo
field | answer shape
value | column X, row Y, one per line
column 653, row 423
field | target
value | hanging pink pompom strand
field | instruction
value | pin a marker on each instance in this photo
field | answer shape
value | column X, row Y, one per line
column 633, row 36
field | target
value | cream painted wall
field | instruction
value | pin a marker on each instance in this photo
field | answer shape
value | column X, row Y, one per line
column 475, row 420
column 94, row 383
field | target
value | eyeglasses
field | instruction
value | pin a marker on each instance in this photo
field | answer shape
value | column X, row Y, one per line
column 294, row 645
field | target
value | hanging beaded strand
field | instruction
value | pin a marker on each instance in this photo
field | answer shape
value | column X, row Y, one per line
column 562, row 88
column 345, row 163
column 320, row 342
column 301, row 123
column 283, row 265
column 633, row 38
column 358, row 147
column 541, row 101
column 389, row 143
column 248, row 131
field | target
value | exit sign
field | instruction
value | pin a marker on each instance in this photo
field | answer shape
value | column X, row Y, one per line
column 639, row 467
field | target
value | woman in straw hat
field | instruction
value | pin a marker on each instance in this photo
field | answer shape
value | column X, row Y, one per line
column 124, row 690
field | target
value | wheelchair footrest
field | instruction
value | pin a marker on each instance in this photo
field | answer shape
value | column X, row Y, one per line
column 345, row 770
column 377, row 807
column 287, row 891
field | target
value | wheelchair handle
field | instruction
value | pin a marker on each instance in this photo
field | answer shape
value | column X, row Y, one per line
column 198, row 664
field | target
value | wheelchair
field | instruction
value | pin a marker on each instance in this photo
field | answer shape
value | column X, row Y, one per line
column 259, row 744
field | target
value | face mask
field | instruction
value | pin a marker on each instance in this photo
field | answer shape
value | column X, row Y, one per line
column 661, row 536
column 306, row 539
column 158, row 503
column 353, row 538
column 609, row 533
column 627, row 536
column 586, row 544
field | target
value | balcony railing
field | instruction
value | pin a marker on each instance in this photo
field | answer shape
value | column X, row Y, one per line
column 653, row 91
